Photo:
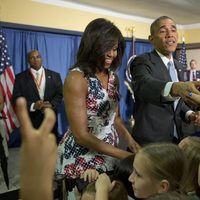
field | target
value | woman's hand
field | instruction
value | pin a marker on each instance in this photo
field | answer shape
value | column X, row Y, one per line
column 90, row 175
column 132, row 144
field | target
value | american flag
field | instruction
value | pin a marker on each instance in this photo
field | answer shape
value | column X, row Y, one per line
column 183, row 57
column 7, row 78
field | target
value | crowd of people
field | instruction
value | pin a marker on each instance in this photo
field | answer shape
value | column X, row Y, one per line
column 154, row 166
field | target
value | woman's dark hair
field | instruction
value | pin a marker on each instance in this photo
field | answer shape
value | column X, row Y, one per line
column 99, row 37
column 122, row 172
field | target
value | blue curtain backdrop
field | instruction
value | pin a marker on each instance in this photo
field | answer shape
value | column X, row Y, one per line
column 58, row 52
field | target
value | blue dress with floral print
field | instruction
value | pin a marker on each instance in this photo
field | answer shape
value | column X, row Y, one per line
column 74, row 159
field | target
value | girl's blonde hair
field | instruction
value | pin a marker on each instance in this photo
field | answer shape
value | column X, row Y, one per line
column 191, row 149
column 165, row 161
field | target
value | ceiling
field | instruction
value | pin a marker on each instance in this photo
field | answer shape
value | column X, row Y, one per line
column 184, row 12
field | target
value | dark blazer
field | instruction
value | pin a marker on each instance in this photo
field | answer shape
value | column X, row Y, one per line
column 197, row 75
column 25, row 86
column 154, row 115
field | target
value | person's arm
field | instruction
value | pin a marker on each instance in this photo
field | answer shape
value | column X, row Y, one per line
column 75, row 91
column 122, row 130
column 1, row 100
column 38, row 155
column 146, row 84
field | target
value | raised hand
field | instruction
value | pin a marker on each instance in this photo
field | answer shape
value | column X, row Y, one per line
column 37, row 156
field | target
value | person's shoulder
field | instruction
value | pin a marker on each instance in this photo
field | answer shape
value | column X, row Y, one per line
column 76, row 77
column 21, row 74
column 51, row 71
column 146, row 54
column 76, row 81
column 178, row 64
column 143, row 58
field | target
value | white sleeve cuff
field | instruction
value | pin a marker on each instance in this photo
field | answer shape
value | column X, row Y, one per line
column 32, row 107
column 166, row 92
column 188, row 113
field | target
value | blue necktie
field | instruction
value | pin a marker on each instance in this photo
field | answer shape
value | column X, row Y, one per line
column 173, row 75
column 172, row 71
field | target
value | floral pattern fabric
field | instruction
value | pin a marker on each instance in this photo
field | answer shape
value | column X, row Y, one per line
column 74, row 159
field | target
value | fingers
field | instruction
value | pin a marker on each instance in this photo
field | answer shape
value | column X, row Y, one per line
column 90, row 175
column 104, row 182
column 48, row 121
column 197, row 83
column 196, row 88
column 22, row 114
column 193, row 99
column 112, row 185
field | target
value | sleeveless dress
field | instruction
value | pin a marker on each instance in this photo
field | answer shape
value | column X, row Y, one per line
column 74, row 159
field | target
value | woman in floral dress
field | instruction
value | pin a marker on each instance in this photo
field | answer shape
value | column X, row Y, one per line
column 91, row 102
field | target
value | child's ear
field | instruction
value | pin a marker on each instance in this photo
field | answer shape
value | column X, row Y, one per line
column 164, row 186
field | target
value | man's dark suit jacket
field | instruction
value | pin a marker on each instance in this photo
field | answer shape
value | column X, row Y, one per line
column 197, row 75
column 25, row 86
column 154, row 115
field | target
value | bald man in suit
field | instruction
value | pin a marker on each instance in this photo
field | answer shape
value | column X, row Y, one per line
column 42, row 88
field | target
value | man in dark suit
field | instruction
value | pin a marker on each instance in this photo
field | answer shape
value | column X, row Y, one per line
column 41, row 87
column 158, row 108
column 193, row 74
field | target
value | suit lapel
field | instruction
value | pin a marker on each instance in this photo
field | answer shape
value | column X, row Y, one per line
column 179, row 70
column 47, row 84
column 155, row 58
column 30, row 82
column 161, row 68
